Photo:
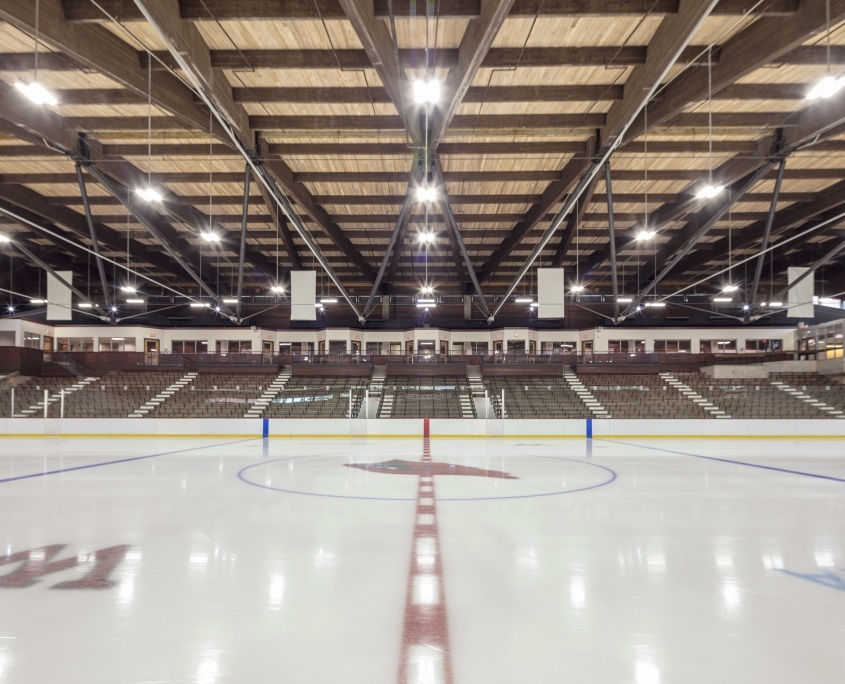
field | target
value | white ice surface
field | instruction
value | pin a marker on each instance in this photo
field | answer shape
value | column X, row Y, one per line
column 676, row 571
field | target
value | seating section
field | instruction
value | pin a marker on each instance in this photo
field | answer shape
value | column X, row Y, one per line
column 213, row 395
column 29, row 393
column 535, row 396
column 318, row 396
column 626, row 395
column 819, row 387
column 751, row 398
column 437, row 396
column 116, row 395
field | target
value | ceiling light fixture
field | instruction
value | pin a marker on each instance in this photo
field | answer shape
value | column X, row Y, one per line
column 128, row 289
column 710, row 190
column 646, row 235
column 829, row 85
column 5, row 238
column 426, row 194
column 730, row 288
column 524, row 300
column 149, row 194
column 278, row 289
column 655, row 305
column 426, row 238
column 200, row 305
column 37, row 301
column 85, row 305
column 230, row 300
column 209, row 236
column 624, row 300
column 134, row 301
column 722, row 299
column 34, row 90
column 577, row 288
column 328, row 300
column 426, row 92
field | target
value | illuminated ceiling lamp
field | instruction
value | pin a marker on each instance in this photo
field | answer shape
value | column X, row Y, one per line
column 36, row 92
column 829, row 85
column 149, row 193
column 710, row 190
column 426, row 92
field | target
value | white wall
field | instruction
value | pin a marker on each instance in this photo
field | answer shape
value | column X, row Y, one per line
column 345, row 428
column 599, row 337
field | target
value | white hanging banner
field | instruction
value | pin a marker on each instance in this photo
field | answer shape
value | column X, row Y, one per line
column 59, row 297
column 801, row 295
column 303, row 295
column 551, row 293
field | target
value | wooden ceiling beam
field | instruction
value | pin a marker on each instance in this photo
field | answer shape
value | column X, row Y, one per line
column 380, row 54
column 748, row 238
column 664, row 50
column 497, row 58
column 568, row 123
column 101, row 50
column 83, row 11
column 767, row 40
column 474, row 48
column 192, row 55
column 187, row 45
column 382, row 177
column 31, row 205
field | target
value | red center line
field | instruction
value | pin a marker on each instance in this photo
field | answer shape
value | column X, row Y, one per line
column 426, row 656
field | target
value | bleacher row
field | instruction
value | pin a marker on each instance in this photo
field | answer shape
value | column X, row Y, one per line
column 170, row 394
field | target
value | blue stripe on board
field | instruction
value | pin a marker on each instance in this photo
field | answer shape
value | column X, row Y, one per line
column 589, row 428
column 732, row 462
column 121, row 460
column 265, row 427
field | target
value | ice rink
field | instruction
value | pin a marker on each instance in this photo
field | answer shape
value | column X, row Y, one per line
column 392, row 561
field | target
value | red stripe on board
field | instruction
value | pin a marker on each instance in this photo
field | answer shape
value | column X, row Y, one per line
column 425, row 429
column 425, row 652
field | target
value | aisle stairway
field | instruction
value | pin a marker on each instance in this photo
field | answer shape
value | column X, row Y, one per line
column 259, row 406
column 164, row 395
column 592, row 404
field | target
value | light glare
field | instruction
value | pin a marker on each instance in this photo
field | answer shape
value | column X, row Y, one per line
column 645, row 235
column 426, row 92
column 709, row 191
column 149, row 194
column 827, row 87
column 37, row 93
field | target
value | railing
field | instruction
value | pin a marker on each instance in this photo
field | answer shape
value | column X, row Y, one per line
column 427, row 358
column 63, row 359
column 328, row 358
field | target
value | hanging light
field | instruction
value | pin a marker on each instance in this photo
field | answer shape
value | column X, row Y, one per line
column 426, row 92
column 277, row 289
column 37, row 301
column 328, row 300
column 826, row 88
column 709, row 191
column 5, row 238
column 829, row 85
column 577, row 288
column 646, row 235
column 730, row 288
column 426, row 238
column 85, row 305
column 210, row 236
column 149, row 194
column 128, row 289
column 524, row 300
column 426, row 194
column 36, row 92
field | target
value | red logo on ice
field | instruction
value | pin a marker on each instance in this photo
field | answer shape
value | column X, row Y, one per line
column 400, row 467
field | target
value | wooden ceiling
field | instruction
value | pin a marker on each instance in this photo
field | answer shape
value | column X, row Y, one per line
column 318, row 93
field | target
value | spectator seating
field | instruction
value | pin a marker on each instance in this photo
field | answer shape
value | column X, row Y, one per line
column 318, row 396
column 626, row 395
column 535, row 396
column 436, row 396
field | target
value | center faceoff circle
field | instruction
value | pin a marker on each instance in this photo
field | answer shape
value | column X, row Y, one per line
column 458, row 477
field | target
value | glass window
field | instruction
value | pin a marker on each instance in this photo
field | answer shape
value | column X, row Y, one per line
column 188, row 346
column 32, row 340
column 72, row 344
column 672, row 346
column 479, row 348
